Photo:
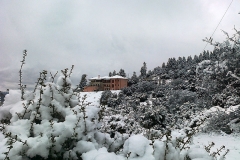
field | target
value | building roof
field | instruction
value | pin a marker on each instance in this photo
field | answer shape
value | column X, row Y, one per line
column 107, row 77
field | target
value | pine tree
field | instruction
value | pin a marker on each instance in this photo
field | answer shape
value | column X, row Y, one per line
column 205, row 55
column 179, row 59
column 180, row 62
column 143, row 70
column 114, row 73
column 213, row 56
column 200, row 57
column 184, row 59
column 149, row 73
column 122, row 73
column 82, row 83
column 171, row 64
column 110, row 74
column 134, row 79
column 189, row 59
column 196, row 59
column 163, row 65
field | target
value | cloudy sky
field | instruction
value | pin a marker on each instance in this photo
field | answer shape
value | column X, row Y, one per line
column 99, row 36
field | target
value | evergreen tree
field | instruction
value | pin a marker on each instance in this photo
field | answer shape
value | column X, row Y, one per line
column 149, row 73
column 179, row 59
column 196, row 59
column 169, row 63
column 157, row 71
column 134, row 79
column 122, row 73
column 143, row 70
column 184, row 60
column 163, row 65
column 200, row 57
column 189, row 62
column 82, row 83
column 206, row 55
column 172, row 63
column 180, row 62
column 110, row 74
column 189, row 59
column 213, row 56
column 114, row 73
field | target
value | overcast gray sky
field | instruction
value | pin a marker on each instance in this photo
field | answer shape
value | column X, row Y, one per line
column 99, row 36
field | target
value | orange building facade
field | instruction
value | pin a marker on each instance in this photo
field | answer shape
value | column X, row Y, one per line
column 106, row 83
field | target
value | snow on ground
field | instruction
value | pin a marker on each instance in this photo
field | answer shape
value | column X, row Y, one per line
column 94, row 97
column 231, row 142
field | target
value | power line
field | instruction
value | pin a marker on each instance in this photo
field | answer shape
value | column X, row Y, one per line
column 219, row 23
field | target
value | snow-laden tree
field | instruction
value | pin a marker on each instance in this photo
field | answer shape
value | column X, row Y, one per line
column 189, row 59
column 163, row 65
column 114, row 73
column 122, row 73
column 143, row 70
column 82, row 83
column 133, row 80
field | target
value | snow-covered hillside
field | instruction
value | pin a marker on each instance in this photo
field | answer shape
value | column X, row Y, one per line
column 230, row 142
column 34, row 132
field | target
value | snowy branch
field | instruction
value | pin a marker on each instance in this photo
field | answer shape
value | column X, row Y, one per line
column 233, row 75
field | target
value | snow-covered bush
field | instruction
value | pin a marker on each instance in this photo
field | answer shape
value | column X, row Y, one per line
column 218, row 122
column 140, row 87
column 142, row 97
column 106, row 95
column 179, row 97
column 49, row 123
column 110, row 99
column 228, row 97
column 224, row 121
column 219, row 100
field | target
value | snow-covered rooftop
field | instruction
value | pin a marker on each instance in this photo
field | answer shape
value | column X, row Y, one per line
column 107, row 77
